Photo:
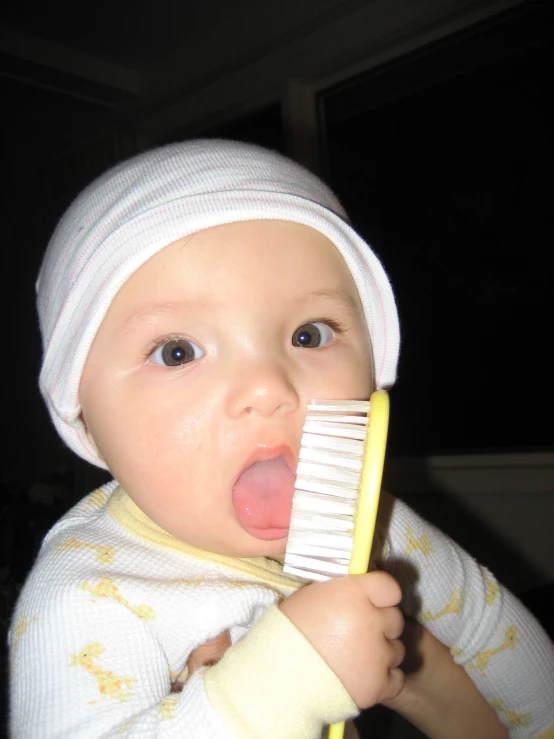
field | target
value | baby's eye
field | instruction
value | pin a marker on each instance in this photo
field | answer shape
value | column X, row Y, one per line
column 176, row 352
column 312, row 335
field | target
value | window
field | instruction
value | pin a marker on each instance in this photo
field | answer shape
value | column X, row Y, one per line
column 445, row 163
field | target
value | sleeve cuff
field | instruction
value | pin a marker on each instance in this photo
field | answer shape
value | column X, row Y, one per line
column 274, row 684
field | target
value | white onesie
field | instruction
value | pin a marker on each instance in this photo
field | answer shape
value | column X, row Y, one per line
column 114, row 606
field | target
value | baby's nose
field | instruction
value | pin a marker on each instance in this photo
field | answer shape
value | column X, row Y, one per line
column 262, row 388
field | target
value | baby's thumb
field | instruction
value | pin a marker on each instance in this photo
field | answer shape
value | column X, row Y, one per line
column 210, row 652
column 381, row 588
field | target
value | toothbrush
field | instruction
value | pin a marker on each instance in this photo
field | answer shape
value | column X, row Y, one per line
column 337, row 488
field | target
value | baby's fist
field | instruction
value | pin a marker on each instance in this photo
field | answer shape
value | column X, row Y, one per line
column 355, row 626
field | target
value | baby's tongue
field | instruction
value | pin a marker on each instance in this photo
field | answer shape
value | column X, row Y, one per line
column 262, row 497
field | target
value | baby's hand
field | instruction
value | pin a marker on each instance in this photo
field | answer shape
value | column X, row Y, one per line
column 354, row 625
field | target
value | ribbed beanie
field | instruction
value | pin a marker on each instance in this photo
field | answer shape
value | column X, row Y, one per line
column 143, row 204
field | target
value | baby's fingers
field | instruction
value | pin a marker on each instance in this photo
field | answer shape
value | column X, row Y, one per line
column 393, row 685
column 381, row 588
column 398, row 652
column 395, row 677
column 393, row 622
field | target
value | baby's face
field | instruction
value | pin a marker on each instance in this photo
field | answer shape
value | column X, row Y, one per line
column 195, row 388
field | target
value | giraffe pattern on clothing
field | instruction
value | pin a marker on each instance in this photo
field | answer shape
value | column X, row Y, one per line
column 104, row 554
column 106, row 588
column 481, row 660
column 513, row 718
column 454, row 605
column 113, row 686
column 422, row 543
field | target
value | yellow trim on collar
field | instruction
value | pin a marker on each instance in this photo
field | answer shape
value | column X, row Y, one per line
column 127, row 514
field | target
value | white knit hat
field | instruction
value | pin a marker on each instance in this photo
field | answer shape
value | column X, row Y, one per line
column 144, row 204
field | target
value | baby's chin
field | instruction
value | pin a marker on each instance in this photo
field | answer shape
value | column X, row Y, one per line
column 253, row 547
column 240, row 545
column 274, row 552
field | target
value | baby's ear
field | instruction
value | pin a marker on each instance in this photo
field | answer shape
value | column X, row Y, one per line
column 90, row 437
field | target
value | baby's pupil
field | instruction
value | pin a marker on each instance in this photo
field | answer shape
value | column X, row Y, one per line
column 307, row 335
column 177, row 352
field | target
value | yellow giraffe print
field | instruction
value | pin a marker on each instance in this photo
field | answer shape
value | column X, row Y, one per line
column 104, row 554
column 106, row 588
column 456, row 651
column 167, row 706
column 109, row 684
column 514, row 719
column 239, row 584
column 422, row 543
column 454, row 605
column 20, row 628
column 493, row 588
column 97, row 499
column 482, row 659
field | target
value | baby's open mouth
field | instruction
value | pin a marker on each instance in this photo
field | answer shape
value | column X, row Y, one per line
column 262, row 498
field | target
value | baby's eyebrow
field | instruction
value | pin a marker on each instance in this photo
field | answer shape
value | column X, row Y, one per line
column 345, row 298
column 160, row 310
column 149, row 312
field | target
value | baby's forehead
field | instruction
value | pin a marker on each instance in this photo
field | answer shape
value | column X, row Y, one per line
column 241, row 259
column 254, row 282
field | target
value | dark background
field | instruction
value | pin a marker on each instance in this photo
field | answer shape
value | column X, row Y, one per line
column 444, row 158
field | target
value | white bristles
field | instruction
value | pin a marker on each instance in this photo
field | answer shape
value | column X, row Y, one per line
column 324, row 503
column 306, row 521
column 317, row 441
column 346, row 406
column 307, row 486
column 310, row 550
column 340, row 541
column 330, row 418
column 346, row 460
column 309, row 565
column 326, row 489
column 326, row 471
column 345, row 430
column 306, row 574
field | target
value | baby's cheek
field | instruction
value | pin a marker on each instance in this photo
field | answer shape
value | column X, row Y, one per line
column 189, row 432
column 356, row 379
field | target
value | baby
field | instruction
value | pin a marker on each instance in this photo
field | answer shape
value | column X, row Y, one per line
column 192, row 301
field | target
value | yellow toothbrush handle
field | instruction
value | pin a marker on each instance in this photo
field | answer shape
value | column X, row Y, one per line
column 368, row 500
column 336, row 731
column 370, row 485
